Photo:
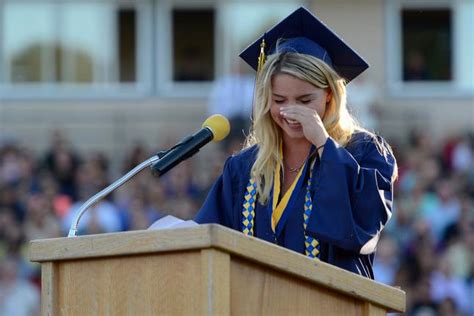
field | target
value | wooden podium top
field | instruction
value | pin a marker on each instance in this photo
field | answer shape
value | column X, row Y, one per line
column 227, row 240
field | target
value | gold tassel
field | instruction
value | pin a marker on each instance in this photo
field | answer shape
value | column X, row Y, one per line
column 261, row 57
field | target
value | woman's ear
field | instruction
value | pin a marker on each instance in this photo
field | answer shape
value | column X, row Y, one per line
column 328, row 96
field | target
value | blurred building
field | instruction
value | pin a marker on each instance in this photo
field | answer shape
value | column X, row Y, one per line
column 110, row 72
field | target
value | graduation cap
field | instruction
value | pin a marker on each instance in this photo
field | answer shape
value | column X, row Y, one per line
column 301, row 32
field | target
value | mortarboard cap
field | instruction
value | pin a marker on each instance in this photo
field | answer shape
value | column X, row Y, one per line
column 301, row 32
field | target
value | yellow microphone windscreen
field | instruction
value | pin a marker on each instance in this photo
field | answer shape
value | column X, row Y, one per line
column 219, row 125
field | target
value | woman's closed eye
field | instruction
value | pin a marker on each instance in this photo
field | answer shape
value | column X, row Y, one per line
column 279, row 101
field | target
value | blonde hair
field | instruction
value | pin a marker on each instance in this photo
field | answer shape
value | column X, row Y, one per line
column 338, row 122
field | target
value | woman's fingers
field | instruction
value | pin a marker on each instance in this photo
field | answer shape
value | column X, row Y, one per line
column 300, row 113
column 313, row 127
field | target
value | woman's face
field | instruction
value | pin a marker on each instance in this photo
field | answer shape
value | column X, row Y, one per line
column 288, row 90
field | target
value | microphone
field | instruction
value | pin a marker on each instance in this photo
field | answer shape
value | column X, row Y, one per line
column 215, row 127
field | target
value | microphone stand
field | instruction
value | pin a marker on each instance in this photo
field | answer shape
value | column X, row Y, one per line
column 94, row 199
column 197, row 140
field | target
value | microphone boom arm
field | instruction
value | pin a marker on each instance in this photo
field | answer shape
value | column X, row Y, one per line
column 98, row 196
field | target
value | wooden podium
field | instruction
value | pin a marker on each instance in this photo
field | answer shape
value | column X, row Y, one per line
column 204, row 270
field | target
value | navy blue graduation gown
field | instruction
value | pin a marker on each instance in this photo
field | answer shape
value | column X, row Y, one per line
column 352, row 201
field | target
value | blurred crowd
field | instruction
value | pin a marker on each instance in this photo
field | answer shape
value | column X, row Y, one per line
column 427, row 249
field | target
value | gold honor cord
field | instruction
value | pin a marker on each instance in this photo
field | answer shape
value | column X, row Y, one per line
column 261, row 57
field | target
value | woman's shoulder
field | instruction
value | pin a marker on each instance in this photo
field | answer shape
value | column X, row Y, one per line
column 243, row 159
column 363, row 143
column 362, row 137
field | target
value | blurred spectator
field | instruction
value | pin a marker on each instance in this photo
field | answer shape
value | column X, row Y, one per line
column 445, row 285
column 181, row 191
column 386, row 262
column 180, row 182
column 40, row 221
column 415, row 67
column 138, row 217
column 9, row 198
column 10, row 169
column 362, row 100
column 447, row 307
column 442, row 208
column 60, row 203
column 9, row 231
column 155, row 199
column 17, row 296
column 462, row 155
column 232, row 96
column 102, row 217
column 137, row 155
column 422, row 304
column 456, row 240
column 62, row 162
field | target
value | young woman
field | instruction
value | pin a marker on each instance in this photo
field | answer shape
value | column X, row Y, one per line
column 310, row 179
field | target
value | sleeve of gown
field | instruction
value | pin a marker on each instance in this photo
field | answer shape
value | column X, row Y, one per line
column 352, row 199
column 217, row 207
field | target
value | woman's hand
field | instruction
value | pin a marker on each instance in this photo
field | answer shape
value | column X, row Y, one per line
column 311, row 123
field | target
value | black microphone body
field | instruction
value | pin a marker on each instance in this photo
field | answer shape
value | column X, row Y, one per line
column 182, row 151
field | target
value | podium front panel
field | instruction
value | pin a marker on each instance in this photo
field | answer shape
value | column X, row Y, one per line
column 161, row 284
